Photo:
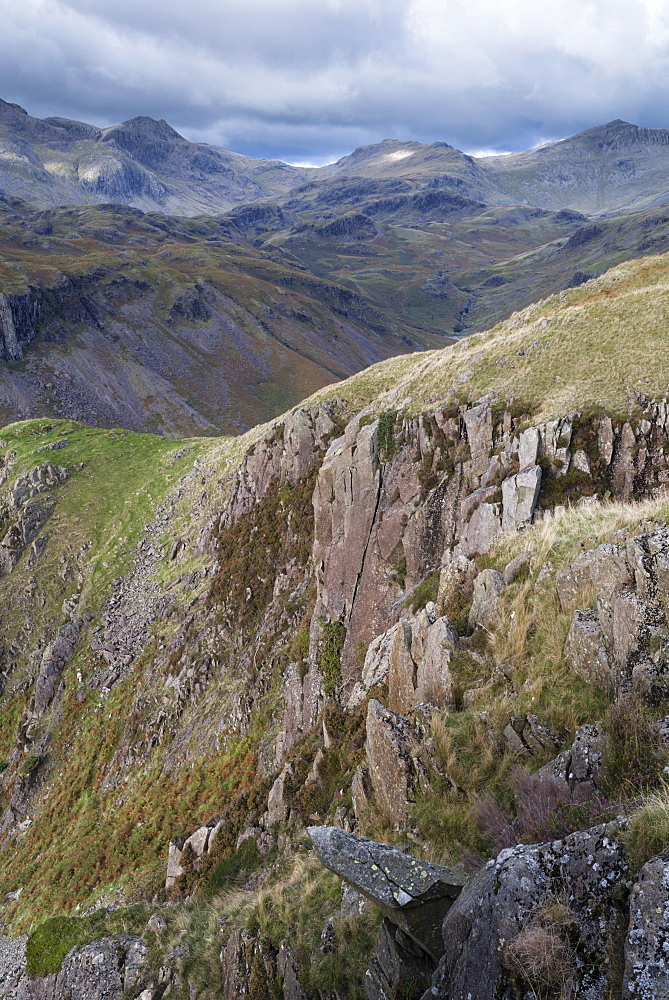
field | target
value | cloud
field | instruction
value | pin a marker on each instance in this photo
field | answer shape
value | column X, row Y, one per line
column 307, row 80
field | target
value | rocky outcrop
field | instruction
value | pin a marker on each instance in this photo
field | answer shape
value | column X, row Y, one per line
column 413, row 895
column 24, row 515
column 536, row 900
column 196, row 845
column 104, row 970
column 621, row 642
column 55, row 658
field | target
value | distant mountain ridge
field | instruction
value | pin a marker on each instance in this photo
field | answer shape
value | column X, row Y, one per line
column 142, row 162
column 616, row 167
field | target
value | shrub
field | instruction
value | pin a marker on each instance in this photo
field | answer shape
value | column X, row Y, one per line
column 30, row 764
column 546, row 810
column 424, row 592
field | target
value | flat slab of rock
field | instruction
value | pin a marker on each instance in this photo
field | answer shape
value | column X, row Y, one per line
column 415, row 895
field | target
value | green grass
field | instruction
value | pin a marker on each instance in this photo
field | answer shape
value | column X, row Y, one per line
column 52, row 939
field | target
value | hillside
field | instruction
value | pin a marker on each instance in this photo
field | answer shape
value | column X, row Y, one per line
column 427, row 605
column 119, row 318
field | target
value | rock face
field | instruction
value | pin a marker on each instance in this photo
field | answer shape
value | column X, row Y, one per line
column 578, row 882
column 621, row 643
column 647, row 945
column 414, row 895
column 399, row 969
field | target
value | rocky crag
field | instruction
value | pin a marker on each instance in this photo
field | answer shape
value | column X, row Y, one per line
column 369, row 701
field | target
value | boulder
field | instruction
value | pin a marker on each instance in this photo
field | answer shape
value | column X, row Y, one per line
column 414, row 895
column 647, row 943
column 528, row 447
column 516, row 566
column 527, row 734
column 277, row 807
column 583, row 763
column 488, row 587
column 480, row 530
column 395, row 770
column 478, row 423
column 579, row 880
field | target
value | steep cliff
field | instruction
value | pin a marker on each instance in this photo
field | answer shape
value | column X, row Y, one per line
column 427, row 606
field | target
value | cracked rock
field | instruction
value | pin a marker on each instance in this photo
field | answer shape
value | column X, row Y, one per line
column 414, row 895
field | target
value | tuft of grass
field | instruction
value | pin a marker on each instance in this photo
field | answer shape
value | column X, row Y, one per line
column 648, row 831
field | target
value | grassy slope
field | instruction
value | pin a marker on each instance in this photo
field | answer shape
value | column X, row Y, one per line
column 589, row 348
column 186, row 305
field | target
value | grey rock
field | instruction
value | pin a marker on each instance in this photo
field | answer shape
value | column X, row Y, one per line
column 527, row 734
column 585, row 650
column 412, row 894
column 488, row 587
column 102, row 970
column 585, row 872
column 519, row 498
column 516, row 566
column 419, row 662
column 583, row 763
column 396, row 772
column 647, row 943
column 528, row 447
column 399, row 969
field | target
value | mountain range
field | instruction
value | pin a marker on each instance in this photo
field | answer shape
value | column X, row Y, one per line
column 142, row 162
column 198, row 290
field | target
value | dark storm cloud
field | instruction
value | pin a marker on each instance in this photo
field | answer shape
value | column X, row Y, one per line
column 311, row 79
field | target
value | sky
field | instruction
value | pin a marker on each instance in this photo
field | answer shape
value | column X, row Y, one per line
column 307, row 81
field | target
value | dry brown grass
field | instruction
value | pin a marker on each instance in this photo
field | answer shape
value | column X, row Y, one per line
column 543, row 961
